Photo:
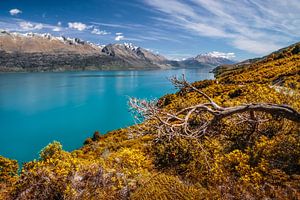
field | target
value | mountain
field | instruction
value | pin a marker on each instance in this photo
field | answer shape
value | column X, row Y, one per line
column 286, row 56
column 44, row 52
column 205, row 60
column 135, row 55
column 44, row 43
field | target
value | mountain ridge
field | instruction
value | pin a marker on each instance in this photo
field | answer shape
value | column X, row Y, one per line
column 44, row 52
column 205, row 60
column 38, row 52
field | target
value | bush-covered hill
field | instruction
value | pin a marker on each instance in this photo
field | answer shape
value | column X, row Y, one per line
column 250, row 155
column 280, row 68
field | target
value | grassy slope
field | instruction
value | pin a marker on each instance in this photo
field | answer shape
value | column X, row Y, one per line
column 236, row 163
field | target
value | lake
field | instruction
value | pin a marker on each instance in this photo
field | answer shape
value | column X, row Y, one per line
column 38, row 108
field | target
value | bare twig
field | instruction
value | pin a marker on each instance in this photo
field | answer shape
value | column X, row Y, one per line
column 172, row 124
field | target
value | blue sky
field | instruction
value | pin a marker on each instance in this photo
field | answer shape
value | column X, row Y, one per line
column 174, row 28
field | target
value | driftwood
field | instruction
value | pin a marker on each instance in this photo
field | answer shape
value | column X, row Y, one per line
column 183, row 122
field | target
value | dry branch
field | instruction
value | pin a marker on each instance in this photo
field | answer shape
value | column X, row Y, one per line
column 182, row 122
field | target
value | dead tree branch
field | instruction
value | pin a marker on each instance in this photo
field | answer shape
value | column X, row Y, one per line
column 200, row 119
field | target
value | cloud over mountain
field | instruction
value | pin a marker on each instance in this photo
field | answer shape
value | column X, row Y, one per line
column 119, row 37
column 99, row 32
column 177, row 28
column 77, row 25
column 28, row 26
column 217, row 54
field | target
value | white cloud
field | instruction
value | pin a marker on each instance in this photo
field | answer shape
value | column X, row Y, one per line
column 221, row 55
column 15, row 11
column 119, row 37
column 99, row 32
column 27, row 26
column 38, row 26
column 18, row 25
column 259, row 47
column 77, row 25
column 178, row 56
column 173, row 7
column 56, row 29
column 255, row 26
column 110, row 25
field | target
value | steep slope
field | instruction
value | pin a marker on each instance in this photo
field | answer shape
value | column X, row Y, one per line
column 44, row 52
column 278, row 60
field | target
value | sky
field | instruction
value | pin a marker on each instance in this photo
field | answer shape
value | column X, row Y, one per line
column 177, row 29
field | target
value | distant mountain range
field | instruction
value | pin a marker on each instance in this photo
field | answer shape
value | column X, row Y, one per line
column 205, row 60
column 44, row 52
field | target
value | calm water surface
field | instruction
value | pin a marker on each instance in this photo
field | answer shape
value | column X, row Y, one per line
column 37, row 108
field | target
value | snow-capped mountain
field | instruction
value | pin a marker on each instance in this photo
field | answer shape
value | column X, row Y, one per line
column 44, row 43
column 211, row 59
column 45, row 52
column 133, row 54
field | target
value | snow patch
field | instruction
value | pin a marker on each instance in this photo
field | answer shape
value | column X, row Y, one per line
column 131, row 46
column 66, row 40
column 217, row 54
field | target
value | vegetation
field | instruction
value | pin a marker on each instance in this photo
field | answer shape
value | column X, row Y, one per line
column 8, row 176
column 252, row 154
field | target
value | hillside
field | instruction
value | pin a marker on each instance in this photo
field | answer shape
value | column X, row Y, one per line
column 280, row 67
column 247, row 155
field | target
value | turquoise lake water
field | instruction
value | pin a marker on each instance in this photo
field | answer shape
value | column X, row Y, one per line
column 37, row 108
